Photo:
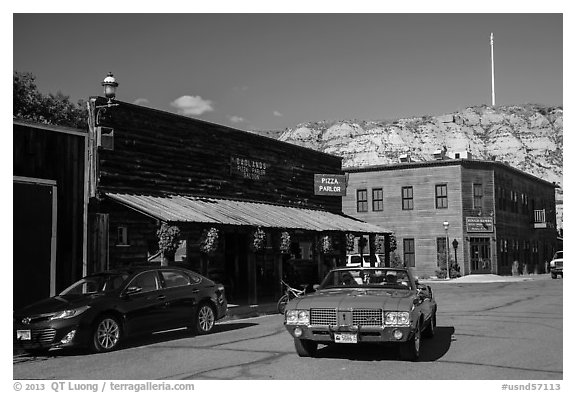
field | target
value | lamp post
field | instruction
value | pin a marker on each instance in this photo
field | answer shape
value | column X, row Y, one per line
column 446, row 225
column 455, row 245
column 110, row 86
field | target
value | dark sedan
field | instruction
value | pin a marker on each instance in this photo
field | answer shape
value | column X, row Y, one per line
column 363, row 305
column 102, row 309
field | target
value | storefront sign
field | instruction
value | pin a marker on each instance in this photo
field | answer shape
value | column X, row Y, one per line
column 248, row 168
column 334, row 185
column 479, row 224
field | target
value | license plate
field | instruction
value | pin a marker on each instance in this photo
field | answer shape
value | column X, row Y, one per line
column 23, row 335
column 346, row 338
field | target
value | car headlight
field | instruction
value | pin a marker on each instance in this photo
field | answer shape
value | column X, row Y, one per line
column 69, row 313
column 397, row 318
column 294, row 317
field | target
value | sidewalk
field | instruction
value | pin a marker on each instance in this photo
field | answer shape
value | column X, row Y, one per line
column 248, row 311
column 486, row 278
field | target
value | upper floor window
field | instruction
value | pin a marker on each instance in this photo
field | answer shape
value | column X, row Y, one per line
column 377, row 199
column 478, row 192
column 441, row 196
column 407, row 198
column 361, row 200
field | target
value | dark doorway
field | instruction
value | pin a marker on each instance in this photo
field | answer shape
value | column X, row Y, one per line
column 32, row 242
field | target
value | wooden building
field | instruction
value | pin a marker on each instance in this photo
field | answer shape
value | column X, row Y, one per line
column 496, row 214
column 49, row 207
column 242, row 203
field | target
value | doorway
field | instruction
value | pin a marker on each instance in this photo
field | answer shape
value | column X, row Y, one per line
column 480, row 256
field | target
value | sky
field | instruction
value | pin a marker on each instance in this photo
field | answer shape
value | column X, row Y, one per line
column 274, row 71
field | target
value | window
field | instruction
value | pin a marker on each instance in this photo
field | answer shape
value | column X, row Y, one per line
column 478, row 192
column 147, row 281
column 122, row 236
column 407, row 198
column 377, row 200
column 361, row 200
column 441, row 196
column 173, row 279
column 409, row 253
column 441, row 251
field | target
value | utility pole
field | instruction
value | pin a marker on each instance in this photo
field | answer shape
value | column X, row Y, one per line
column 492, row 58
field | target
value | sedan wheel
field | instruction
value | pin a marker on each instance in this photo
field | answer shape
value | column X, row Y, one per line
column 410, row 350
column 106, row 334
column 205, row 319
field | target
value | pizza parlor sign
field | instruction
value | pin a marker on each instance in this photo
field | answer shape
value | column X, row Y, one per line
column 334, row 185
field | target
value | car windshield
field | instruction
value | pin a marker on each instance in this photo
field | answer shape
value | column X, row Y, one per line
column 558, row 255
column 96, row 284
column 367, row 278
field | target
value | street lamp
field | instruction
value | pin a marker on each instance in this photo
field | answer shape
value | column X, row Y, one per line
column 446, row 225
column 110, row 86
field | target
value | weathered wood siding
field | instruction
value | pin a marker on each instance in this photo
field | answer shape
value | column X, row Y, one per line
column 54, row 153
column 159, row 152
column 424, row 223
column 515, row 226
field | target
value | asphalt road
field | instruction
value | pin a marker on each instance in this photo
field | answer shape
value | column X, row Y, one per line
column 486, row 331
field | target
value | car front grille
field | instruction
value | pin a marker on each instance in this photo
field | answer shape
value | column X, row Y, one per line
column 360, row 317
column 323, row 316
column 559, row 264
column 43, row 337
column 367, row 317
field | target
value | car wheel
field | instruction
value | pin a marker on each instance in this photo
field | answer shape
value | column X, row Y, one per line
column 305, row 348
column 106, row 335
column 410, row 350
column 282, row 304
column 205, row 319
column 553, row 275
column 430, row 330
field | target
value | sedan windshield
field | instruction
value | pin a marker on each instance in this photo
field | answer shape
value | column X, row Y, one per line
column 96, row 284
column 367, row 278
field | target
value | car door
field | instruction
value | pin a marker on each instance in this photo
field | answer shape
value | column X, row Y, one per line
column 144, row 303
column 182, row 295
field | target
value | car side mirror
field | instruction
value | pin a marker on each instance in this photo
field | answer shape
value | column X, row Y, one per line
column 132, row 290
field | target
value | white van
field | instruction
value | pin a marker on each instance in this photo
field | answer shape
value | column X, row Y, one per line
column 355, row 260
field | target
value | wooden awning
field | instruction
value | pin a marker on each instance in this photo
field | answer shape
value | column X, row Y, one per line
column 189, row 209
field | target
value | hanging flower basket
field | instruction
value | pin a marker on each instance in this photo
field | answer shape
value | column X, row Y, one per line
column 209, row 241
column 285, row 242
column 350, row 242
column 258, row 240
column 168, row 238
column 326, row 244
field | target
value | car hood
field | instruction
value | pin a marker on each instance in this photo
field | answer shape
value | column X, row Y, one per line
column 390, row 299
column 59, row 303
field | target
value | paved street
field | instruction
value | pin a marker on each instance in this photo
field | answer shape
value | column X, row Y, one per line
column 500, row 330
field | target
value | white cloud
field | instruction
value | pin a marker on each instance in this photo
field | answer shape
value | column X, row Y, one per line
column 192, row 105
column 237, row 119
column 278, row 114
column 141, row 101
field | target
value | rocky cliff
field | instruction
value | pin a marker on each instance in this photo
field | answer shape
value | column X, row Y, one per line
column 528, row 137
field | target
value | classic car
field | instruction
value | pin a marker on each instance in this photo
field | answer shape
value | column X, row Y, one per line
column 363, row 305
column 102, row 309
column 557, row 264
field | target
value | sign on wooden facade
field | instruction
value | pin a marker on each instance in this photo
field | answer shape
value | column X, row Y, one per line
column 334, row 185
column 480, row 224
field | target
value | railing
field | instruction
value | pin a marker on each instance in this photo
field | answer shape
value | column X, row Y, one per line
column 539, row 216
column 540, row 219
